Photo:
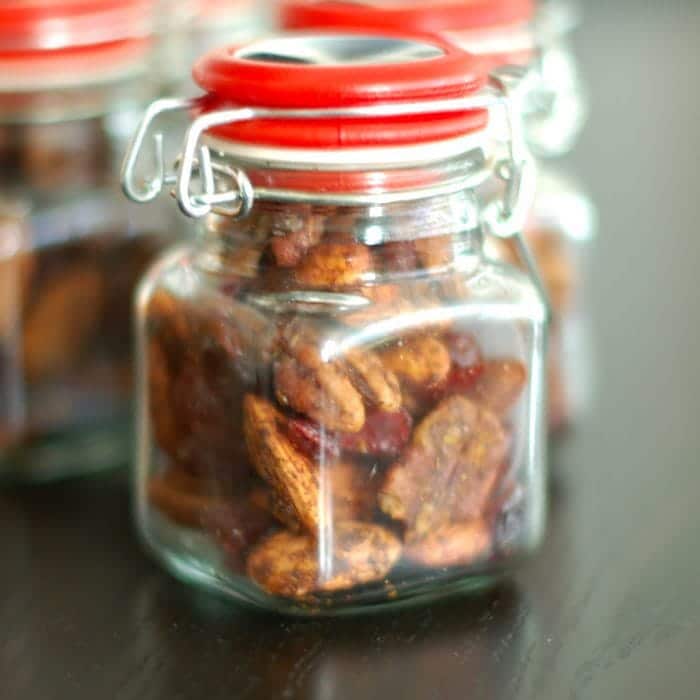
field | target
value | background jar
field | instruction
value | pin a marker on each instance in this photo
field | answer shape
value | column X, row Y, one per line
column 341, row 397
column 189, row 28
column 560, row 233
column 522, row 33
column 502, row 32
column 72, row 248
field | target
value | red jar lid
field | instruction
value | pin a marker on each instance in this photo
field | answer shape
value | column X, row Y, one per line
column 45, row 25
column 410, row 16
column 61, row 42
column 326, row 71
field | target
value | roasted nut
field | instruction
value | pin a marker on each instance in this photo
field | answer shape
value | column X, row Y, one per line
column 554, row 265
column 184, row 498
column 353, row 495
column 168, row 319
column 373, row 379
column 457, row 544
column 499, row 385
column 237, row 330
column 449, row 470
column 436, row 251
column 290, row 473
column 15, row 277
column 237, row 527
column 353, row 491
column 558, row 405
column 163, row 417
column 287, row 565
column 334, row 265
column 484, row 463
column 294, row 233
column 323, row 393
column 270, row 501
column 60, row 323
column 209, row 415
column 422, row 362
column 318, row 389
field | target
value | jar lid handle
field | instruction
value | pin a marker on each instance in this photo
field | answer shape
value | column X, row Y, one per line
column 147, row 187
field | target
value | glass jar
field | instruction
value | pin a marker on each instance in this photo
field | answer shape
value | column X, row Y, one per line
column 71, row 248
column 512, row 32
column 188, row 28
column 340, row 396
column 501, row 31
column 560, row 232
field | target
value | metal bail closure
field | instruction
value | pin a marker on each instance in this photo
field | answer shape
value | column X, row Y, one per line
column 506, row 219
column 220, row 185
column 147, row 187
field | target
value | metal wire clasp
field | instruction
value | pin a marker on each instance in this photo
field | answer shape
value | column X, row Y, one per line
column 149, row 186
column 506, row 218
column 227, row 190
column 231, row 187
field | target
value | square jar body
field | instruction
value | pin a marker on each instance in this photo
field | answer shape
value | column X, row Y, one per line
column 334, row 418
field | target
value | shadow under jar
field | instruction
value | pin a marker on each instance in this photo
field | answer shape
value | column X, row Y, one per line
column 341, row 397
column 71, row 248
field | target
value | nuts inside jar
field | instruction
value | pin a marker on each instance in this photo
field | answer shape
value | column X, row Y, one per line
column 377, row 462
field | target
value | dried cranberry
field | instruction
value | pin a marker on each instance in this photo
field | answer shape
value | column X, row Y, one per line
column 462, row 379
column 308, row 437
column 384, row 434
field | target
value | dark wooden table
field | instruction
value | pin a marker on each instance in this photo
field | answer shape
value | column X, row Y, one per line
column 611, row 608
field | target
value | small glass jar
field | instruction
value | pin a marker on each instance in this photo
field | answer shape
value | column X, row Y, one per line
column 225, row 21
column 340, row 396
column 512, row 32
column 517, row 32
column 189, row 28
column 71, row 248
column 560, row 231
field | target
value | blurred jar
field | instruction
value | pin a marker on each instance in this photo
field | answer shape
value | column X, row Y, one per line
column 504, row 32
column 510, row 32
column 71, row 249
column 189, row 28
column 560, row 233
column 341, row 401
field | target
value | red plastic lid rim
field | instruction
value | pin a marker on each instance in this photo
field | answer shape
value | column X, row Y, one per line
column 54, row 70
column 46, row 25
column 327, row 71
column 406, row 15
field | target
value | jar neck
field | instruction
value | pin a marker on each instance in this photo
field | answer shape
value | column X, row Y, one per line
column 434, row 235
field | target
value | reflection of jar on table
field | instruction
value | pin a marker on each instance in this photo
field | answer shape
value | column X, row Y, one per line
column 71, row 248
column 341, row 401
